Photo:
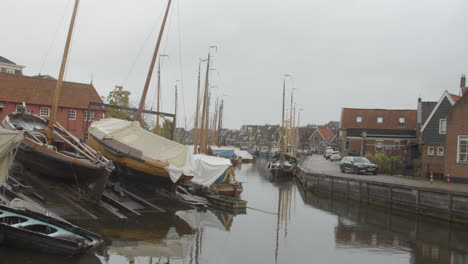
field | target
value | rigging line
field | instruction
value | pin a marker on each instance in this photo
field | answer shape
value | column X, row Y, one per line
column 142, row 45
column 54, row 38
column 168, row 30
column 71, row 44
column 261, row 210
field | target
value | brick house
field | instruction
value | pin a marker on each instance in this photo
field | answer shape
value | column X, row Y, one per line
column 432, row 135
column 376, row 131
column 37, row 94
column 322, row 138
column 456, row 144
column 7, row 66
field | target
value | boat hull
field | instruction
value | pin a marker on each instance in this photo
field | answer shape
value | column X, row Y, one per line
column 21, row 237
column 229, row 189
column 50, row 163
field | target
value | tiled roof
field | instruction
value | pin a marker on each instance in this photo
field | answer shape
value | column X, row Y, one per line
column 369, row 118
column 455, row 97
column 326, row 133
column 19, row 88
column 4, row 60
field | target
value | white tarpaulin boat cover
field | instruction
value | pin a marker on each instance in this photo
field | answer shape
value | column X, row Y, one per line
column 9, row 139
column 179, row 159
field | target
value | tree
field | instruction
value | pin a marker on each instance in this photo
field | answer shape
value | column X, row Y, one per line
column 166, row 130
column 118, row 97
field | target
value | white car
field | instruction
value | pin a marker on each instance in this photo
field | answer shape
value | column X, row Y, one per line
column 335, row 156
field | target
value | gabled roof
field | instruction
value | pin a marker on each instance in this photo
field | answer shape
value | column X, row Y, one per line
column 5, row 60
column 19, row 88
column 450, row 97
column 325, row 132
column 369, row 118
column 426, row 108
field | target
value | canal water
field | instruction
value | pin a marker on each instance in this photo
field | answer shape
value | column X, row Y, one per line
column 283, row 224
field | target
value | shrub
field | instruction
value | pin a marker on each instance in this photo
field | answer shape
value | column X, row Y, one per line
column 384, row 162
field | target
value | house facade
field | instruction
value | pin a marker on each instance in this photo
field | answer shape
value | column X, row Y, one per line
column 433, row 135
column 370, row 131
column 7, row 66
column 456, row 144
column 37, row 94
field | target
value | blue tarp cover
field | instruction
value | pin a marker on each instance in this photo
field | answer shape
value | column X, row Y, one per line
column 224, row 152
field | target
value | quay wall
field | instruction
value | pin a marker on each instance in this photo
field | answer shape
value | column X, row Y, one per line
column 442, row 204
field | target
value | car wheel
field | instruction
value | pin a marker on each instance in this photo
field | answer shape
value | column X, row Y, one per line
column 342, row 170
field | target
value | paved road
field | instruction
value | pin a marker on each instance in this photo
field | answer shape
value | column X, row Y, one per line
column 318, row 164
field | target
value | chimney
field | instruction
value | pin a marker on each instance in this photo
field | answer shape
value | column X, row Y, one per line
column 462, row 81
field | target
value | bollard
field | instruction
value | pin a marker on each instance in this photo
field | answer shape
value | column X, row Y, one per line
column 432, row 177
column 448, row 178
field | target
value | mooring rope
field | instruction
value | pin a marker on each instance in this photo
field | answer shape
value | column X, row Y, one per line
column 261, row 210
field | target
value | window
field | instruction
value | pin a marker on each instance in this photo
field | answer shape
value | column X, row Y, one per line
column 89, row 116
column 72, row 114
column 358, row 119
column 379, row 120
column 463, row 149
column 396, row 145
column 44, row 111
column 18, row 108
column 11, row 71
column 442, row 126
column 430, row 151
column 379, row 146
column 347, row 144
column 401, row 122
column 440, row 151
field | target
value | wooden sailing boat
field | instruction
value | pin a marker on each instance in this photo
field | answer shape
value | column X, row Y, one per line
column 227, row 183
column 50, row 150
column 284, row 162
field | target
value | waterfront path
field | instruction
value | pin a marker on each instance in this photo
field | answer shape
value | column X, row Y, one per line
column 317, row 164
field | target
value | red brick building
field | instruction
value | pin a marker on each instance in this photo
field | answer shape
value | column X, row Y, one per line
column 456, row 145
column 37, row 94
column 377, row 131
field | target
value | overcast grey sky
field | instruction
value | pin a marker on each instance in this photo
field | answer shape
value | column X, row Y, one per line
column 341, row 53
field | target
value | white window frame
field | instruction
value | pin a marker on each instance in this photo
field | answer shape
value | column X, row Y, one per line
column 440, row 151
column 358, row 119
column 89, row 117
column 401, row 121
column 430, row 150
column 442, row 130
column 71, row 114
column 395, row 145
column 380, row 118
column 10, row 71
column 459, row 153
column 379, row 146
column 43, row 110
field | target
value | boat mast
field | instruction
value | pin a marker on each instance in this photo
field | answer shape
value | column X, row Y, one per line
column 204, row 124
column 220, row 122
column 174, row 136
column 157, row 129
column 58, row 87
column 195, row 129
column 282, row 138
column 138, row 116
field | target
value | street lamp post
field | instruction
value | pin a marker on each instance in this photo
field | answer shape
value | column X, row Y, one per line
column 363, row 150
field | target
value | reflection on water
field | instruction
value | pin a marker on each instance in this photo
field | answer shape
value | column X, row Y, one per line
column 284, row 224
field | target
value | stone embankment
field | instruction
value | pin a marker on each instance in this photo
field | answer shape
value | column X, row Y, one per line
column 439, row 199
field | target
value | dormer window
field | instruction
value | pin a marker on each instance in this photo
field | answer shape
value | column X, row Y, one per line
column 401, row 122
column 358, row 119
column 379, row 120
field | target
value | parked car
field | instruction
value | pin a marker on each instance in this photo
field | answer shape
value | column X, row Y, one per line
column 335, row 156
column 327, row 153
column 358, row 165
